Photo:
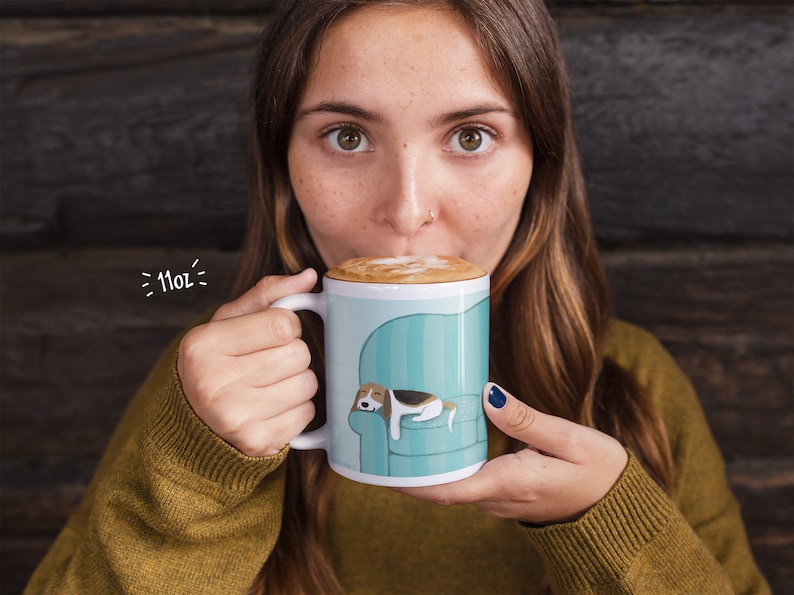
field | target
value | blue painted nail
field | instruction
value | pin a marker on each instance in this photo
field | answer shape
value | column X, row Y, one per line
column 496, row 397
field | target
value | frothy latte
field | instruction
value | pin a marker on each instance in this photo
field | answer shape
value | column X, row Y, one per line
column 406, row 269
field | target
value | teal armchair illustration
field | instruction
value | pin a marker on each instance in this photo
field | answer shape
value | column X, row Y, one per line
column 446, row 429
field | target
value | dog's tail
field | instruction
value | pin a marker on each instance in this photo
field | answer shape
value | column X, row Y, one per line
column 452, row 409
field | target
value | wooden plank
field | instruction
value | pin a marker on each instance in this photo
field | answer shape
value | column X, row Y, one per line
column 61, row 311
column 684, row 133
column 39, row 512
column 143, row 121
column 728, row 318
column 131, row 131
column 18, row 559
column 71, row 8
column 765, row 491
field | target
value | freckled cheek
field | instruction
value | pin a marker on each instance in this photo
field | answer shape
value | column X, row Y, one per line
column 314, row 196
column 493, row 208
column 330, row 189
column 514, row 193
column 515, row 197
column 331, row 206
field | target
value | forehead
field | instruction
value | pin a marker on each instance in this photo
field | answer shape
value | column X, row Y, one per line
column 394, row 49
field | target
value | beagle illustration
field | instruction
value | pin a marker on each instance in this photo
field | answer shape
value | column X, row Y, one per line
column 394, row 404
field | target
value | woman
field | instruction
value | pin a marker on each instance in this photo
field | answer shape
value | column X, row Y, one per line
column 396, row 128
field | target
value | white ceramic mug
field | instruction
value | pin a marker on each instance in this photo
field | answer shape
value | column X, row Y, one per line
column 406, row 356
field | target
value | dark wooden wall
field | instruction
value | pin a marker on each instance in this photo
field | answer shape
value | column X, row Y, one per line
column 122, row 152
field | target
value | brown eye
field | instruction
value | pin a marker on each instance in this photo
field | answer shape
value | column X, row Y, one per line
column 349, row 139
column 470, row 139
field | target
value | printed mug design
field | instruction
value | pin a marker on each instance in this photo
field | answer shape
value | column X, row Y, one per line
column 394, row 404
column 417, row 410
column 405, row 365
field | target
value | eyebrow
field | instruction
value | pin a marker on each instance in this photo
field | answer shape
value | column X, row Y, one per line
column 472, row 112
column 341, row 107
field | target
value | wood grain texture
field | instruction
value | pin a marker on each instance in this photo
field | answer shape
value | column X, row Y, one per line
column 126, row 132
column 728, row 318
column 685, row 125
column 72, row 8
column 130, row 131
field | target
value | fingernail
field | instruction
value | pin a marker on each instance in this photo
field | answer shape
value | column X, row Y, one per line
column 496, row 397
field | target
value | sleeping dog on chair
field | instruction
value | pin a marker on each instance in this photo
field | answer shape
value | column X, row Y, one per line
column 394, row 404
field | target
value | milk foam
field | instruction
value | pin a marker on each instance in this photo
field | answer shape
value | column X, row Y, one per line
column 406, row 269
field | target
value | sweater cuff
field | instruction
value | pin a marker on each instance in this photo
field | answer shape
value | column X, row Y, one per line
column 180, row 440
column 599, row 547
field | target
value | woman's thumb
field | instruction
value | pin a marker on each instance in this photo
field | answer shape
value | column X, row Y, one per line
column 505, row 411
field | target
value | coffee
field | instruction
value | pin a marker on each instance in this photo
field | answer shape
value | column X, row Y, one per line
column 406, row 270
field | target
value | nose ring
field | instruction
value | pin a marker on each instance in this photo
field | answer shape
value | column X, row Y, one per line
column 431, row 217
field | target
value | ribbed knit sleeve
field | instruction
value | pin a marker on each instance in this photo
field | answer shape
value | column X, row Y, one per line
column 172, row 507
column 639, row 540
column 633, row 541
column 180, row 442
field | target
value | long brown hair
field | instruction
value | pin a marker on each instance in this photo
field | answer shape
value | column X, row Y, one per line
column 550, row 302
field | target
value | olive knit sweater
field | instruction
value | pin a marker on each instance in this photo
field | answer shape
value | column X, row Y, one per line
column 175, row 509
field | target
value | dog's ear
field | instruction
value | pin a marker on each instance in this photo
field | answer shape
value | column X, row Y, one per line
column 386, row 409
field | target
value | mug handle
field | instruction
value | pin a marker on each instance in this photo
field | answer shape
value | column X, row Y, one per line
column 317, row 303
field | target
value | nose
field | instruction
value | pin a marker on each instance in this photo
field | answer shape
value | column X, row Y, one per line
column 406, row 192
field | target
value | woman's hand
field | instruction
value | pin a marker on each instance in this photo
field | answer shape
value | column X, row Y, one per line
column 564, row 470
column 246, row 372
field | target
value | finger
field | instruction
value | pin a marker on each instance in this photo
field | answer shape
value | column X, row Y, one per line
column 549, row 434
column 259, row 369
column 474, row 489
column 242, row 405
column 268, row 438
column 527, row 486
column 241, row 335
column 271, row 366
column 266, row 291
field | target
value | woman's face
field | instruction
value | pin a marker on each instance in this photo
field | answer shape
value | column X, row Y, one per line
column 400, row 117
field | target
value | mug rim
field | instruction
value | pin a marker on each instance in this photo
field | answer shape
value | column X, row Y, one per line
column 438, row 289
